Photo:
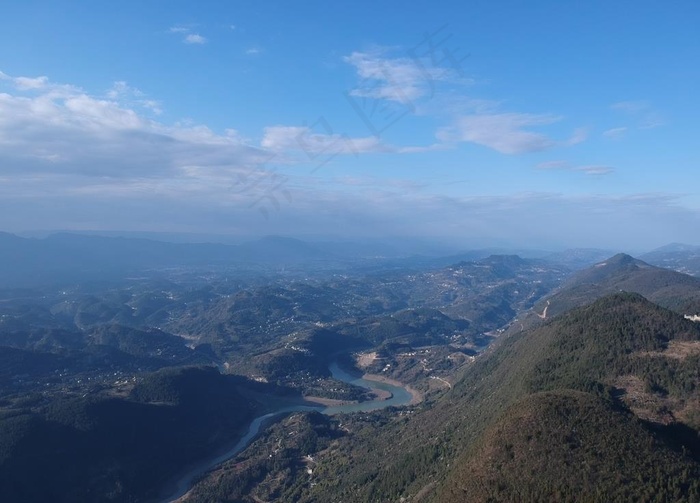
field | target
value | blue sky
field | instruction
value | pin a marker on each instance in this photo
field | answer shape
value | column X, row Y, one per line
column 476, row 123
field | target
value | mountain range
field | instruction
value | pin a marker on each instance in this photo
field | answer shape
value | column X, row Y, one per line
column 70, row 258
column 596, row 405
column 540, row 380
column 665, row 287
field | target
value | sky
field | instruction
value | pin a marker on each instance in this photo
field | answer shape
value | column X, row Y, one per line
column 543, row 123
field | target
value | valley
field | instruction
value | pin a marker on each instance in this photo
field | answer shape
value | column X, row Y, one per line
column 408, row 369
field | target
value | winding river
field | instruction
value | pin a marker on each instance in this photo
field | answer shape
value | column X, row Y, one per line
column 399, row 396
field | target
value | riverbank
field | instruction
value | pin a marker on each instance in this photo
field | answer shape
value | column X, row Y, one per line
column 328, row 402
column 416, row 396
column 180, row 491
column 389, row 392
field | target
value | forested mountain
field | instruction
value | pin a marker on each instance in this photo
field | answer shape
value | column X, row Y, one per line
column 571, row 446
column 632, row 364
column 620, row 273
column 107, row 447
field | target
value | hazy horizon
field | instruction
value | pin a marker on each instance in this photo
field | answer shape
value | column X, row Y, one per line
column 410, row 244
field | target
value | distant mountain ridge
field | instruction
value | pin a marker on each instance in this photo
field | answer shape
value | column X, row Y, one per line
column 676, row 247
column 74, row 258
column 680, row 257
column 619, row 273
column 579, row 258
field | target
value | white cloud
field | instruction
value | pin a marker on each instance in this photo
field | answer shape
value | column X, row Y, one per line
column 402, row 81
column 279, row 138
column 99, row 151
column 302, row 138
column 379, row 183
column 398, row 79
column 592, row 170
column 133, row 97
column 507, row 133
column 188, row 36
column 641, row 112
column 554, row 165
column 61, row 132
column 195, row 38
column 253, row 51
column 631, row 106
column 327, row 144
column 615, row 133
column 26, row 83
column 579, row 136
column 95, row 113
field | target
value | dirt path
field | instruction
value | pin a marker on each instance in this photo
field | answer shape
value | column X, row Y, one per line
column 444, row 381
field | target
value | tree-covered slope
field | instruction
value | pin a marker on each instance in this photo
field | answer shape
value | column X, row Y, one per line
column 620, row 273
column 109, row 448
column 592, row 350
column 571, row 446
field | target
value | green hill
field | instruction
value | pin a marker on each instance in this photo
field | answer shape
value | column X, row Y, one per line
column 598, row 350
column 620, row 273
column 571, row 446
column 108, row 448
